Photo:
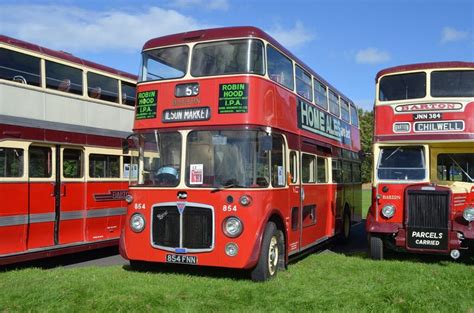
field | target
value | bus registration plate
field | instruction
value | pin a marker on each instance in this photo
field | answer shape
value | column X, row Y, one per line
column 181, row 259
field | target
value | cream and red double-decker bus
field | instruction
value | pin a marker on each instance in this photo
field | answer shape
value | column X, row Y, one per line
column 246, row 156
column 63, row 177
column 423, row 186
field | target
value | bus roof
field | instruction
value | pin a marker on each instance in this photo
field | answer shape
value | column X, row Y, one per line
column 227, row 33
column 64, row 56
column 423, row 66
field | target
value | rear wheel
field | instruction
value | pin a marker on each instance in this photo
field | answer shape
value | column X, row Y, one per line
column 375, row 247
column 271, row 254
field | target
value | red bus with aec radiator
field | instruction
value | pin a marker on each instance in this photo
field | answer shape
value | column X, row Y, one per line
column 63, row 177
column 423, row 186
column 245, row 155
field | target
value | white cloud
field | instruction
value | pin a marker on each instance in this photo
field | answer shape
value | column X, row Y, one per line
column 372, row 56
column 77, row 30
column 201, row 4
column 450, row 34
column 292, row 37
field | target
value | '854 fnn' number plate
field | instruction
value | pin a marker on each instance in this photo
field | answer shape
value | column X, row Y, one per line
column 181, row 259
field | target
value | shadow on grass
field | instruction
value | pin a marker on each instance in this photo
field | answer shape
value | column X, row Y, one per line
column 188, row 270
column 62, row 260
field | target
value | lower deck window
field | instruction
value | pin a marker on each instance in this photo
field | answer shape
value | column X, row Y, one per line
column 401, row 163
column 11, row 162
column 456, row 167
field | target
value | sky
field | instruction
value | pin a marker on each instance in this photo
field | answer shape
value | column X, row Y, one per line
column 345, row 42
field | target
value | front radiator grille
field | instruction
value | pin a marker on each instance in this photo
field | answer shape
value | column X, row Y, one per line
column 193, row 229
column 428, row 209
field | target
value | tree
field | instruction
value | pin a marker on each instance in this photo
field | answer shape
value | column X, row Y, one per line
column 366, row 123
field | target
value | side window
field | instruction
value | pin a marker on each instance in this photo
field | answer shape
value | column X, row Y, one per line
column 356, row 173
column 11, row 162
column 308, row 166
column 293, row 167
column 277, row 162
column 354, row 116
column 102, row 87
column 346, row 172
column 303, row 84
column 40, row 162
column 280, row 68
column 104, row 166
column 333, row 103
column 128, row 93
column 19, row 67
column 336, row 171
column 345, row 110
column 309, row 215
column 63, row 78
column 320, row 94
column 322, row 170
column 72, row 163
column 294, row 218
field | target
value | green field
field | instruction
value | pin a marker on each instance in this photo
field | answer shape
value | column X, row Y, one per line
column 319, row 282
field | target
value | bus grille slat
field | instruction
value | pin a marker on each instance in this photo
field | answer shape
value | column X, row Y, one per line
column 197, row 232
column 428, row 209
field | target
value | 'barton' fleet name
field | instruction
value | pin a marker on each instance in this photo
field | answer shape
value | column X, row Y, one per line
column 428, row 107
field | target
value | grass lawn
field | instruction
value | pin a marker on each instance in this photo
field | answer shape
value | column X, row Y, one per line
column 319, row 282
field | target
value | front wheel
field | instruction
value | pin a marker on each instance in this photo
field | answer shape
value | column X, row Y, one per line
column 272, row 254
column 376, row 247
column 346, row 226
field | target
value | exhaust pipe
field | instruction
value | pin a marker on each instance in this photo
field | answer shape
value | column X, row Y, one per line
column 455, row 254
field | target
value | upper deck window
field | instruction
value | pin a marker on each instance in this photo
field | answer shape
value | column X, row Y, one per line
column 227, row 57
column 354, row 116
column 19, row 67
column 63, row 78
column 164, row 63
column 102, row 87
column 320, row 94
column 280, row 68
column 402, row 87
column 334, row 103
column 345, row 110
column 452, row 84
column 128, row 93
column 303, row 83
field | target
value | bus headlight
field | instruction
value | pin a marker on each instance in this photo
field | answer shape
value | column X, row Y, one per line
column 231, row 249
column 232, row 227
column 388, row 211
column 129, row 198
column 468, row 214
column 245, row 200
column 137, row 222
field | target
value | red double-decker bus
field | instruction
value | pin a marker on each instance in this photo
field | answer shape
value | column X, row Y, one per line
column 63, row 177
column 423, row 186
column 245, row 155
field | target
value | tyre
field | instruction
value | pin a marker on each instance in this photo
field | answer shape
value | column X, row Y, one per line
column 272, row 254
column 346, row 226
column 376, row 247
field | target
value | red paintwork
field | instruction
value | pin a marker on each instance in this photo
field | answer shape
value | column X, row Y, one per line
column 64, row 56
column 423, row 66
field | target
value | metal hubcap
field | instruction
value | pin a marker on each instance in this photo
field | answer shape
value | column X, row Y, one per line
column 273, row 256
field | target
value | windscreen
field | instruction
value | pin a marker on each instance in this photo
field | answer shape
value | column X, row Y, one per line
column 401, row 163
column 402, row 87
column 456, row 167
column 228, row 57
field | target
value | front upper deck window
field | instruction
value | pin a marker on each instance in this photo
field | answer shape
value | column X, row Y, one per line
column 452, row 84
column 227, row 57
column 280, row 68
column 164, row 63
column 402, row 87
column 401, row 163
